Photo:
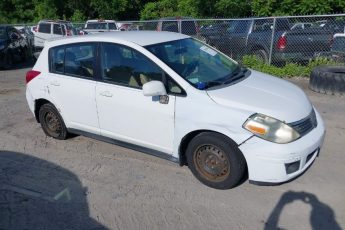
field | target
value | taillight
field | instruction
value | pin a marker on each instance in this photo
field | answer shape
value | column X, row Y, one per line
column 69, row 33
column 281, row 42
column 197, row 28
column 36, row 29
column 31, row 75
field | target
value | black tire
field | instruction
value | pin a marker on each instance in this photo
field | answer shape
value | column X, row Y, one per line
column 261, row 55
column 25, row 54
column 8, row 61
column 328, row 80
column 215, row 160
column 52, row 122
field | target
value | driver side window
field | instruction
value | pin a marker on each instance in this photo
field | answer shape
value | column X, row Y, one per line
column 125, row 66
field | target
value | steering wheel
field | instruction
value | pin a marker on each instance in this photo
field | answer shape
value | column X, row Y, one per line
column 190, row 68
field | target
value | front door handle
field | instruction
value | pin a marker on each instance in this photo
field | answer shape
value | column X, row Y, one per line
column 55, row 83
column 106, row 94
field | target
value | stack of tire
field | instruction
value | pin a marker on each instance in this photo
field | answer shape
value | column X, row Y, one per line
column 328, row 80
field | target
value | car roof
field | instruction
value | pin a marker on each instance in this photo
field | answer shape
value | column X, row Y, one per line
column 52, row 21
column 99, row 20
column 142, row 38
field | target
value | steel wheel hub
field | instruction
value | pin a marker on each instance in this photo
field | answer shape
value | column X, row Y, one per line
column 212, row 163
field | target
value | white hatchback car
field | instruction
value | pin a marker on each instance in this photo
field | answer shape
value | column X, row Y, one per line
column 175, row 97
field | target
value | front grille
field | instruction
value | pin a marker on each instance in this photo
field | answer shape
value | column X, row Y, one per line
column 305, row 125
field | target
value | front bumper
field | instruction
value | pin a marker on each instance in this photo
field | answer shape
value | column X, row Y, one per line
column 268, row 163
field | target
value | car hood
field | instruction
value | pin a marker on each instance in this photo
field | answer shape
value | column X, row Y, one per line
column 265, row 94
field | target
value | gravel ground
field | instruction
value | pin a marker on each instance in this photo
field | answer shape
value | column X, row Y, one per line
column 82, row 183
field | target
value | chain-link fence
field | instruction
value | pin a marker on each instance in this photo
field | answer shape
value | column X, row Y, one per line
column 272, row 40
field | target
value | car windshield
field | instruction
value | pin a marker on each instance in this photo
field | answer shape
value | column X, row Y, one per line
column 199, row 64
column 2, row 33
column 96, row 25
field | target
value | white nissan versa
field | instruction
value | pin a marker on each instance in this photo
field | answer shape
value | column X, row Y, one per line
column 175, row 97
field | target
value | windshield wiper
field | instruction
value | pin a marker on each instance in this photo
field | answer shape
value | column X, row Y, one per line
column 237, row 75
column 226, row 80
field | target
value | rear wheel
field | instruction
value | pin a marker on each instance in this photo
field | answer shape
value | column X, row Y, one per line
column 261, row 55
column 215, row 160
column 25, row 54
column 52, row 122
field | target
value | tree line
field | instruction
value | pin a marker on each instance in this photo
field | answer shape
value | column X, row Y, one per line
column 28, row 11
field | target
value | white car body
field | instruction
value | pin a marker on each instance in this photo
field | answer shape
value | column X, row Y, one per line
column 144, row 122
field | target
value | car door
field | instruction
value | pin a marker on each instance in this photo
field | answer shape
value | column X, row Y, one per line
column 125, row 114
column 71, row 84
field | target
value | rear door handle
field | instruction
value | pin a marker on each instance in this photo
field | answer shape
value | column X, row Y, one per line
column 106, row 94
column 55, row 83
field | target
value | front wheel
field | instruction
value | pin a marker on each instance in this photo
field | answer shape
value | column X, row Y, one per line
column 215, row 160
column 52, row 122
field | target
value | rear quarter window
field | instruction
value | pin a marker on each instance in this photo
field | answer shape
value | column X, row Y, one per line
column 57, row 56
column 77, row 60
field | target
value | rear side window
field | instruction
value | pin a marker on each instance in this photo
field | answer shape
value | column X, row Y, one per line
column 44, row 28
column 262, row 25
column 74, row 60
column 57, row 29
column 112, row 26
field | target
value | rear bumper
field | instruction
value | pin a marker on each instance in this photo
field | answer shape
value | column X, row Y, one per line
column 31, row 101
column 271, row 163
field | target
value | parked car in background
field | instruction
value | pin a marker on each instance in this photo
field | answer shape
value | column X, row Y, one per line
column 210, row 31
column 13, row 46
column 26, row 32
column 254, row 37
column 172, row 96
column 337, row 52
column 183, row 25
column 100, row 25
column 338, row 47
column 335, row 26
column 302, row 26
column 48, row 29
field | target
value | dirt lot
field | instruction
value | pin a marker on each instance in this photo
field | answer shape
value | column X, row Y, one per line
column 82, row 183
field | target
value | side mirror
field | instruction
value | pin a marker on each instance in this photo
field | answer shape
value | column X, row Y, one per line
column 154, row 88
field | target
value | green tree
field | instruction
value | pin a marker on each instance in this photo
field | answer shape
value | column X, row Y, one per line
column 45, row 9
column 233, row 8
column 78, row 16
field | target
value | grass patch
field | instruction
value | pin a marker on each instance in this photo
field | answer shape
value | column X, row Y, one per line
column 289, row 70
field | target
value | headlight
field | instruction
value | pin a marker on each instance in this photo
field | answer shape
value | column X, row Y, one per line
column 270, row 129
column 2, row 46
